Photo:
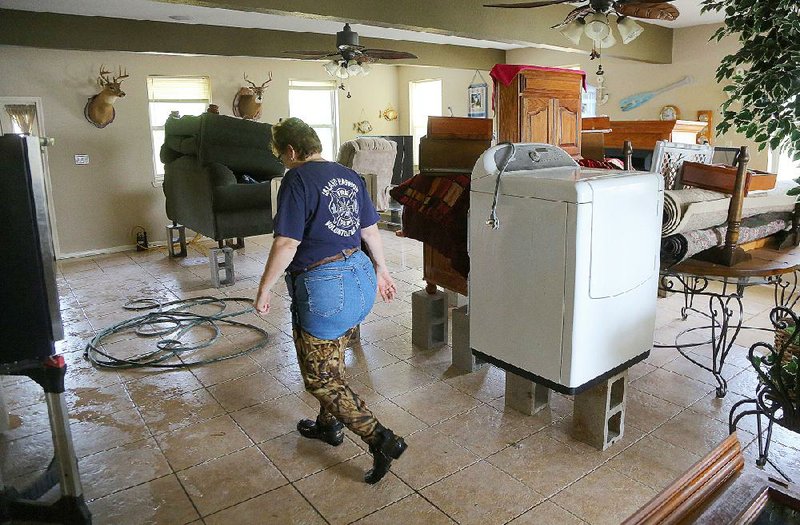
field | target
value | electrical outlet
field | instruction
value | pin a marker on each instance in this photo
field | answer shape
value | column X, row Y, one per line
column 81, row 160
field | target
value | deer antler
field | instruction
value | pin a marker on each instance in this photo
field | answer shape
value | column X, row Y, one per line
column 103, row 78
column 248, row 80
column 122, row 75
column 268, row 80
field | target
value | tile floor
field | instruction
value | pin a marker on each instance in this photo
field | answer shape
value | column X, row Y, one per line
column 216, row 444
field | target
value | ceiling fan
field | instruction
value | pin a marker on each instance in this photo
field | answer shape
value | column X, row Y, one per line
column 633, row 8
column 350, row 58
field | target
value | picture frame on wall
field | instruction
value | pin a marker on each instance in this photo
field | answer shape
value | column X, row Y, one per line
column 477, row 97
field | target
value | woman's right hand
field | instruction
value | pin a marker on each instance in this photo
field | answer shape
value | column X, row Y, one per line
column 386, row 285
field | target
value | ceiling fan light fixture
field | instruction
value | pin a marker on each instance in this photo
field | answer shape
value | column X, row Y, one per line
column 342, row 73
column 365, row 69
column 331, row 67
column 353, row 68
column 596, row 26
column 629, row 30
column 608, row 41
column 573, row 31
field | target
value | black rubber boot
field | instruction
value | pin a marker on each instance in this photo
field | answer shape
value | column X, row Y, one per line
column 386, row 447
column 332, row 435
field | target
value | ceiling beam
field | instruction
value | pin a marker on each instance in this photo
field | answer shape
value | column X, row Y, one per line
column 49, row 30
column 465, row 18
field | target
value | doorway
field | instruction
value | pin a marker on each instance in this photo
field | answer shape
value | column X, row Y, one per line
column 24, row 115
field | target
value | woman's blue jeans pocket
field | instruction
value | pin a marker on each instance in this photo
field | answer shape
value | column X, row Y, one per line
column 325, row 293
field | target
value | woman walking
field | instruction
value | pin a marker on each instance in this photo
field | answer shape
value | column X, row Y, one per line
column 324, row 212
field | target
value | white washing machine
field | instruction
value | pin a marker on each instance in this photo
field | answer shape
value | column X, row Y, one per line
column 563, row 291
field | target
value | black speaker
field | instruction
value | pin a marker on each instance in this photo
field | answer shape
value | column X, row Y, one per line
column 30, row 319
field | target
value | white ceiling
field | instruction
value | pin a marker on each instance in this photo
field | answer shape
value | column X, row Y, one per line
column 187, row 14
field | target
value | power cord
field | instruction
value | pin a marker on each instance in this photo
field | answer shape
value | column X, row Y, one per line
column 169, row 322
column 494, row 221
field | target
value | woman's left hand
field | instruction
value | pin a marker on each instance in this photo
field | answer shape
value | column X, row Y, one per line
column 386, row 285
column 262, row 301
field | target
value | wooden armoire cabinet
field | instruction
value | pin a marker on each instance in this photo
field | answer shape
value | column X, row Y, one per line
column 542, row 105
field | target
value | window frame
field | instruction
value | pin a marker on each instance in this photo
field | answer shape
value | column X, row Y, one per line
column 333, row 90
column 411, row 84
column 158, row 178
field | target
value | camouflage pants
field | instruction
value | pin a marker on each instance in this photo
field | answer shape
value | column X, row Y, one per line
column 322, row 366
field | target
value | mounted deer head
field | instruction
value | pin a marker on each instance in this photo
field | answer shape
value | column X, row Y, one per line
column 247, row 102
column 99, row 109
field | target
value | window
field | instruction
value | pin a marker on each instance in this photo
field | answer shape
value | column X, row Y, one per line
column 186, row 95
column 782, row 164
column 425, row 98
column 315, row 103
column 589, row 101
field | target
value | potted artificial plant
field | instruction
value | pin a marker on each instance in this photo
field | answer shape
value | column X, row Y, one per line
column 763, row 89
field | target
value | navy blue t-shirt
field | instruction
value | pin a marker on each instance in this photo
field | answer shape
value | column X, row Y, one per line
column 323, row 205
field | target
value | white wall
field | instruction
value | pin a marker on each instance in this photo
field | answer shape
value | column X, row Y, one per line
column 96, row 206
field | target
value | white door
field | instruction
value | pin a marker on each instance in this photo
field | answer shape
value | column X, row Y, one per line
column 24, row 115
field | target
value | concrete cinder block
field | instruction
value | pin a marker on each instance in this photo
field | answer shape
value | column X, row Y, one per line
column 462, row 352
column 221, row 260
column 524, row 395
column 179, row 240
column 599, row 414
column 456, row 300
column 429, row 319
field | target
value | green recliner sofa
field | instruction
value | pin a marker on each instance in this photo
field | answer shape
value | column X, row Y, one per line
column 206, row 158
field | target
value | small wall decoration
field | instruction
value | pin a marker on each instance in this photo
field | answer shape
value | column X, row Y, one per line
column 99, row 109
column 707, row 133
column 477, row 94
column 670, row 112
column 247, row 102
column 636, row 100
column 388, row 114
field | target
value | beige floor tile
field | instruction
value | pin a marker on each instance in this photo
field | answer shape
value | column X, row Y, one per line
column 544, row 463
column 273, row 418
column 21, row 456
column 696, row 433
column 362, row 389
column 687, row 368
column 604, row 497
column 228, row 480
column 275, row 356
column 672, row 387
column 400, row 347
column 646, row 412
column 640, row 369
column 786, row 458
column 104, row 431
column 202, row 441
column 248, row 390
column 430, row 457
column 435, row 402
column 653, row 462
column 437, row 362
column 487, row 384
column 121, row 468
column 368, row 357
column 298, row 457
column 485, row 430
column 413, row 509
column 214, row 373
column 159, row 502
column 162, row 385
column 164, row 415
column 395, row 418
column 283, row 505
column 341, row 496
column 481, row 494
column 26, row 421
column 547, row 513
column 381, row 330
column 395, row 379
column 744, row 383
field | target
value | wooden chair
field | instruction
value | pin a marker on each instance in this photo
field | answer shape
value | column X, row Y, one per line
column 668, row 159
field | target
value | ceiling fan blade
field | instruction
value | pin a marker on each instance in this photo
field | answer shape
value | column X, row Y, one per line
column 311, row 54
column 386, row 54
column 524, row 5
column 652, row 10
column 578, row 12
